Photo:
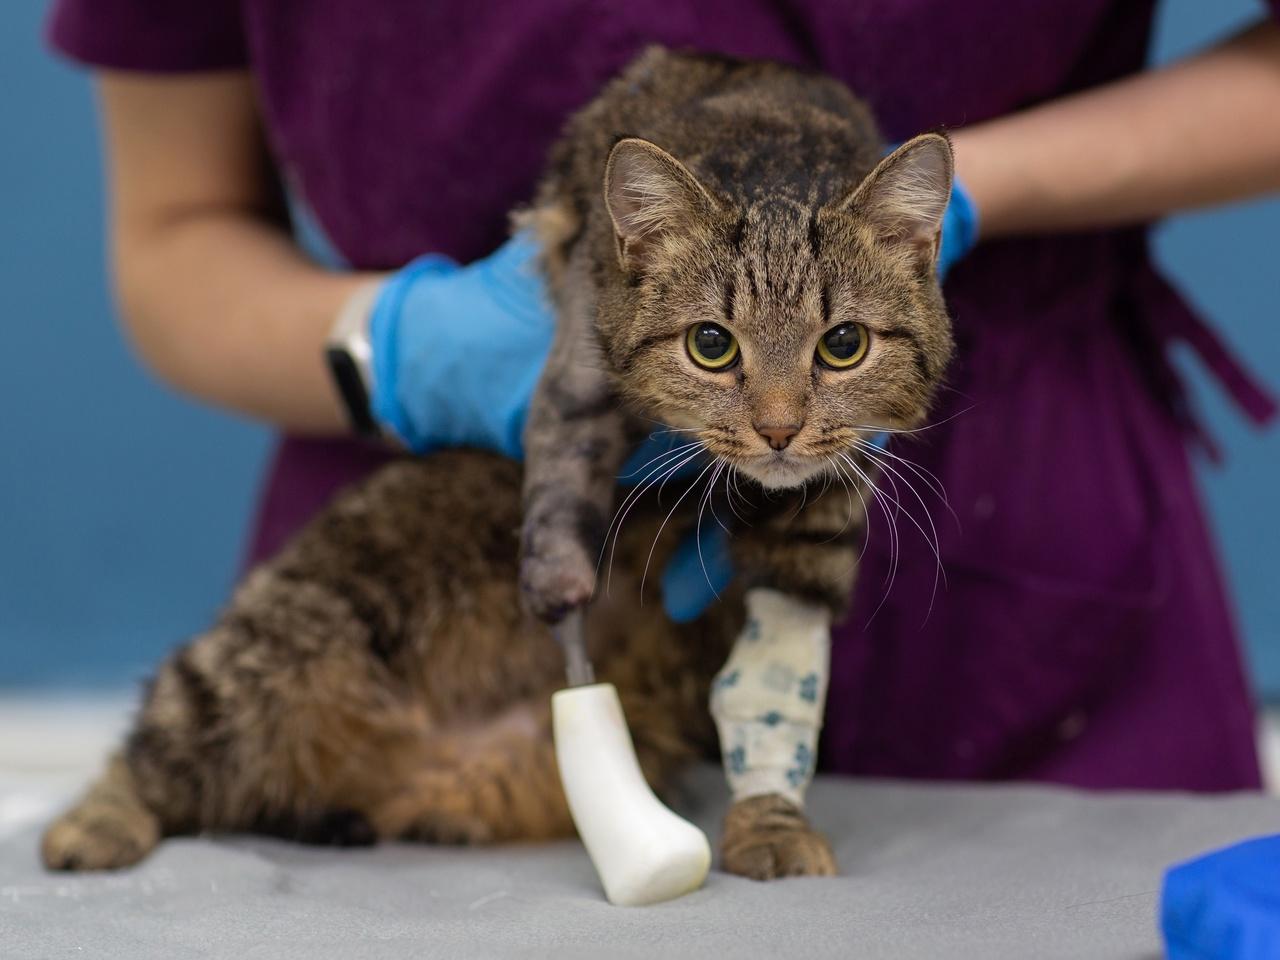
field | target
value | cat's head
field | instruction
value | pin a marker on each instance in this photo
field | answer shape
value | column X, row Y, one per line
column 781, row 333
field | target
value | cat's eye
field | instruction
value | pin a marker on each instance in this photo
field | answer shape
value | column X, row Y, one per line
column 843, row 346
column 711, row 346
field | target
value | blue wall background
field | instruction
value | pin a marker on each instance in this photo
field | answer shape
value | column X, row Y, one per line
column 123, row 505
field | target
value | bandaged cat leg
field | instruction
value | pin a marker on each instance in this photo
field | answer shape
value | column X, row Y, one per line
column 768, row 700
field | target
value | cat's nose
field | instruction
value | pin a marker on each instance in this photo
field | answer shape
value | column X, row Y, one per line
column 778, row 435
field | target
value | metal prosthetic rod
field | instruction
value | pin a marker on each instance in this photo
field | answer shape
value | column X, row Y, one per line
column 642, row 851
column 572, row 639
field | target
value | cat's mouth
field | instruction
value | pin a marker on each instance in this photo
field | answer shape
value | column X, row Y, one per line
column 782, row 469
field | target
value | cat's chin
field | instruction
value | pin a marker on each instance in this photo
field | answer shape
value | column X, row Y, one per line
column 781, row 473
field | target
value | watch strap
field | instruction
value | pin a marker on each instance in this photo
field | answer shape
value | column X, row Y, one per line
column 349, row 354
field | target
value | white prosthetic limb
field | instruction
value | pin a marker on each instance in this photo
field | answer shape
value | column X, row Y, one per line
column 642, row 851
column 768, row 699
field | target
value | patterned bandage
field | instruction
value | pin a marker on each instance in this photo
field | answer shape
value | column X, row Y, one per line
column 768, row 699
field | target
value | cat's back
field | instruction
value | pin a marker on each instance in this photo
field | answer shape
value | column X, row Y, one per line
column 747, row 129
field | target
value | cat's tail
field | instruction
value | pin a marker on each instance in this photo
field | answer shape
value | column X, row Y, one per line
column 109, row 827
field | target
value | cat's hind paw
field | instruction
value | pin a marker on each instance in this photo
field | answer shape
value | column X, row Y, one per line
column 106, row 838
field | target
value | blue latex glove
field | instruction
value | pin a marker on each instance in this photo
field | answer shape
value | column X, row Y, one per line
column 698, row 572
column 1224, row 905
column 457, row 350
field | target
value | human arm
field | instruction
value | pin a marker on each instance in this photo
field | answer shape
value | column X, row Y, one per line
column 216, row 297
column 221, row 303
column 1202, row 131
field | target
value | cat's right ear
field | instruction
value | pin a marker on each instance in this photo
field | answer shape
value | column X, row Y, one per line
column 651, row 196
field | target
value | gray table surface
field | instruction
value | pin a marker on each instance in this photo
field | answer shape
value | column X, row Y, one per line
column 987, row 872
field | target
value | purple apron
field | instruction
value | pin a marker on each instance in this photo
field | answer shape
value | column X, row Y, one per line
column 1082, row 635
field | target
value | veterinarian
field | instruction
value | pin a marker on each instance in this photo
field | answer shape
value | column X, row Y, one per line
column 1084, row 635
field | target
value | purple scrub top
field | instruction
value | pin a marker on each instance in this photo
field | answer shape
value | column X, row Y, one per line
column 1083, row 634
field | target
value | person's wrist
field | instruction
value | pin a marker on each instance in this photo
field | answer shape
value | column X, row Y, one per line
column 349, row 355
column 983, row 170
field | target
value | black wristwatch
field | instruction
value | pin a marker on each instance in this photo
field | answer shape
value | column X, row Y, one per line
column 349, row 353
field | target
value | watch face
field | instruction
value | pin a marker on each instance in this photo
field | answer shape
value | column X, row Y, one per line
column 346, row 374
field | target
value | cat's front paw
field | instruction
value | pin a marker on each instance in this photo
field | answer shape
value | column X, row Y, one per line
column 768, row 837
column 556, row 576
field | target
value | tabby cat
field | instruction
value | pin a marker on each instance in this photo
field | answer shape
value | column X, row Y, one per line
column 731, row 258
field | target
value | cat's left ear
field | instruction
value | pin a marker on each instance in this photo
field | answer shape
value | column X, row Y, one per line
column 904, row 198
column 650, row 195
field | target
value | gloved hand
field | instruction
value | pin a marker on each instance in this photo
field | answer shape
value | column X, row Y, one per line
column 457, row 350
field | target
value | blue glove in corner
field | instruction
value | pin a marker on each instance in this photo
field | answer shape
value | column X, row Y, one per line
column 457, row 350
column 1224, row 905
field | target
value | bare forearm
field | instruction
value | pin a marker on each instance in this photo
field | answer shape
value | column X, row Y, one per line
column 215, row 295
column 1200, row 132
column 226, row 309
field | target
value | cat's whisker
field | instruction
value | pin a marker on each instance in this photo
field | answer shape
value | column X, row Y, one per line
column 665, row 430
column 929, row 478
column 658, row 475
column 895, row 498
column 665, row 453
column 629, row 504
column 641, row 485
column 644, row 577
column 927, row 475
column 804, row 499
column 881, row 498
column 849, row 496
column 826, row 485
column 724, row 469
column 855, row 487
column 731, row 487
column 869, row 428
column 662, row 423
column 657, row 472
column 697, row 527
column 663, row 485
column 931, row 538
column 895, row 473
column 655, row 475
column 876, row 456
